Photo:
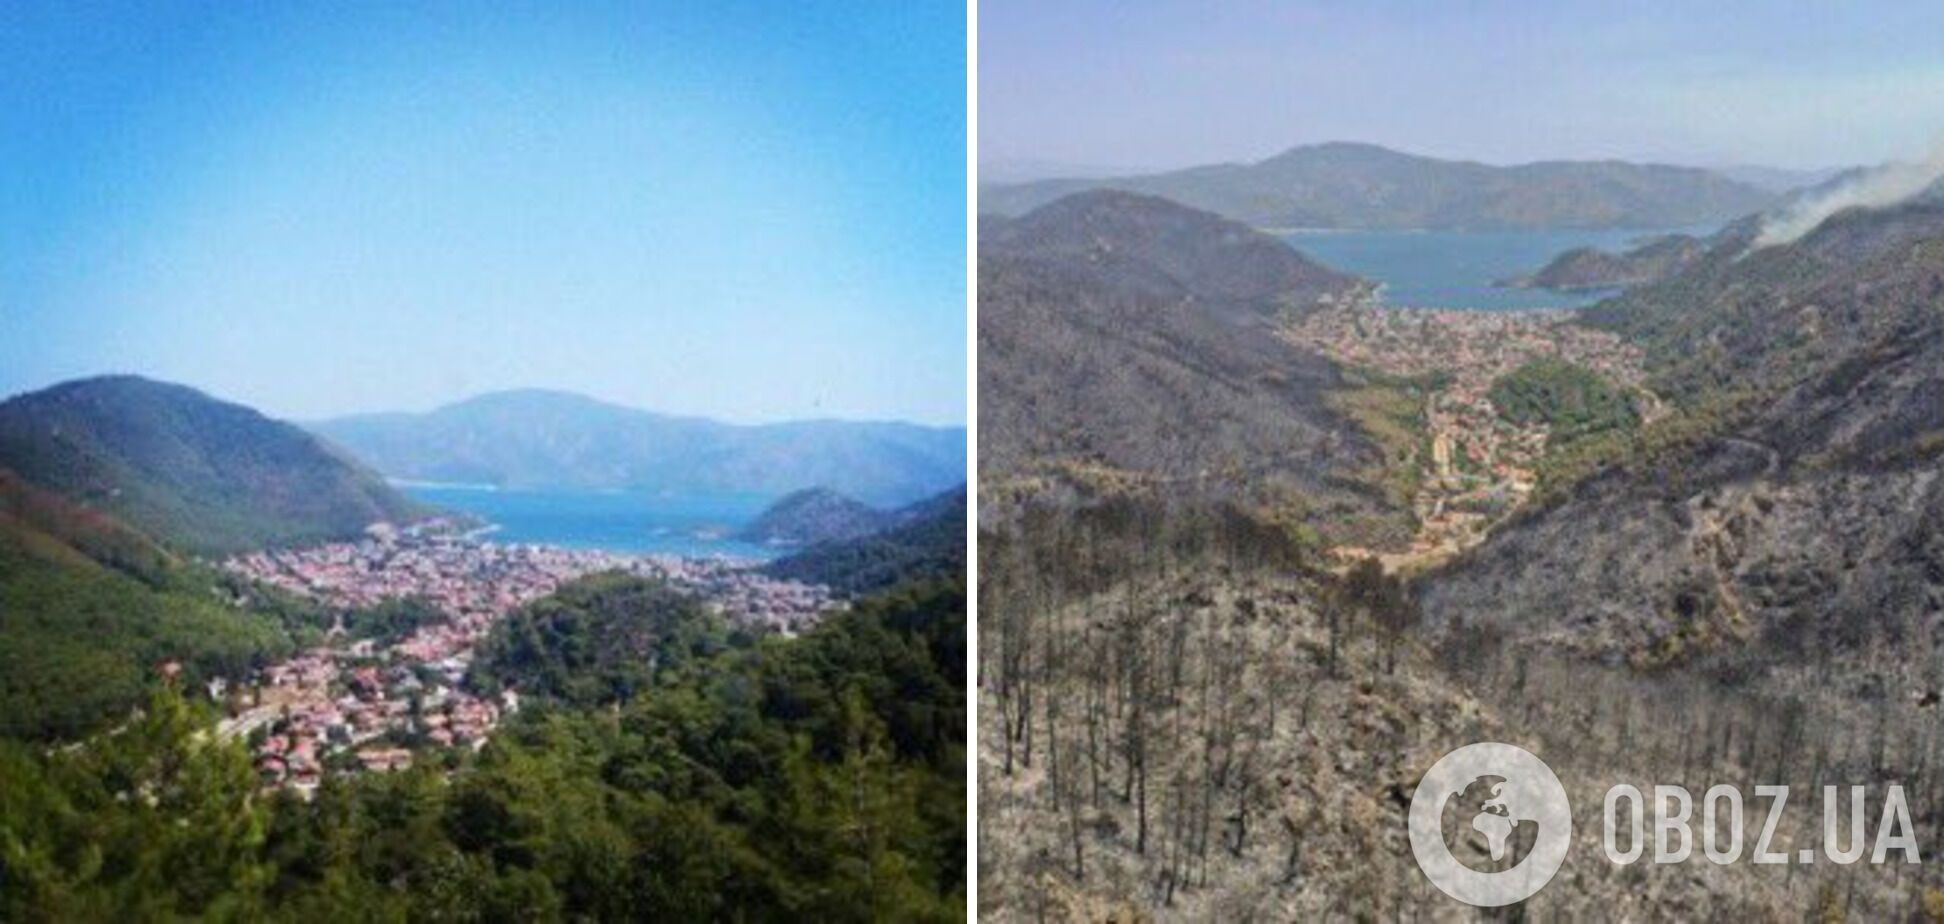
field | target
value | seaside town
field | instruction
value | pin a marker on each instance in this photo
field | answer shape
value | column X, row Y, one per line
column 1480, row 466
column 354, row 705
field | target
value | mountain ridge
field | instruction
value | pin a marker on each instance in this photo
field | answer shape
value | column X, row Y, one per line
column 1355, row 185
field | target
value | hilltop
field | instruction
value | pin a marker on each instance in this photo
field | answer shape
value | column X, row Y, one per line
column 1584, row 268
column 108, row 489
column 191, row 471
column 813, row 515
column 1351, row 185
column 551, row 439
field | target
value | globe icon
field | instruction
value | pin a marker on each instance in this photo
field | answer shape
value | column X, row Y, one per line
column 1490, row 824
column 1489, row 807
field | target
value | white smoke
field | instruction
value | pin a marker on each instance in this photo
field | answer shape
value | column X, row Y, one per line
column 1877, row 187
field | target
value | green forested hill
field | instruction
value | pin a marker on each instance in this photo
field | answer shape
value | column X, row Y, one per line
column 929, row 541
column 598, row 641
column 815, row 515
column 193, row 472
column 814, row 778
column 1572, row 400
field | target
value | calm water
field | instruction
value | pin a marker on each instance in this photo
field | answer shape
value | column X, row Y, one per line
column 618, row 521
column 1455, row 269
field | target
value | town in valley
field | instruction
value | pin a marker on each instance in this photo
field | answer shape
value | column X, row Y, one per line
column 356, row 705
column 1478, row 465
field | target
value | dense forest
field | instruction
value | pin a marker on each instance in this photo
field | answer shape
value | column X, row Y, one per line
column 90, row 606
column 819, row 777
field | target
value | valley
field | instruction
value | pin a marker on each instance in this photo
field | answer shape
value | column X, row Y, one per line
column 1687, row 533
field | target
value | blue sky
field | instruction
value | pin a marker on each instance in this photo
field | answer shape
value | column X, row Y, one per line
column 754, row 211
column 1146, row 85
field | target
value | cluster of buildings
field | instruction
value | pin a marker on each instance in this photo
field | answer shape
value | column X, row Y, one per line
column 1480, row 465
column 355, row 705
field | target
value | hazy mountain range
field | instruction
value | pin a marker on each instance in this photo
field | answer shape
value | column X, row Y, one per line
column 539, row 438
column 1777, row 179
column 1349, row 185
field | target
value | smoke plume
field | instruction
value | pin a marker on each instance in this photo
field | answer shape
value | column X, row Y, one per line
column 1879, row 186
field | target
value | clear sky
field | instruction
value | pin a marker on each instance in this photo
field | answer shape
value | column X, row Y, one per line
column 1145, row 85
column 754, row 211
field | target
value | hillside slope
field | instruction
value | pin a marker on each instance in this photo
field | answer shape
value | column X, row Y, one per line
column 1127, row 343
column 927, row 541
column 1584, row 268
column 193, row 472
column 1347, row 185
column 1786, row 515
column 89, row 607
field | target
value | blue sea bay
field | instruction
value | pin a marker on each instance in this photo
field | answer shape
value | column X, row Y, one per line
column 1457, row 269
column 616, row 521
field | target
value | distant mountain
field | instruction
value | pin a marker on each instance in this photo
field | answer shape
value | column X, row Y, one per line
column 557, row 439
column 813, row 515
column 928, row 541
column 1585, row 268
column 1777, row 179
column 1127, row 343
column 1026, row 170
column 1347, row 185
column 193, row 472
